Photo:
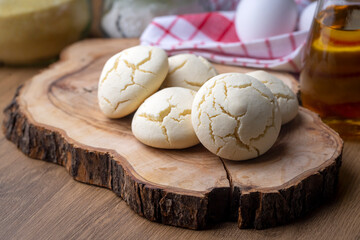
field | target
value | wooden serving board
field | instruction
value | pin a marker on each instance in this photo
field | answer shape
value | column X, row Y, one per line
column 55, row 117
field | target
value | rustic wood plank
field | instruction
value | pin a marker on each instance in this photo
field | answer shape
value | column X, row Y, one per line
column 55, row 118
column 65, row 216
column 337, row 220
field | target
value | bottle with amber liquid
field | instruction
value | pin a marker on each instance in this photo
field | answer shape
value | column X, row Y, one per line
column 330, row 79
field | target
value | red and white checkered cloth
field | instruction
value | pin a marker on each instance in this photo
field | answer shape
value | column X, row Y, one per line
column 213, row 36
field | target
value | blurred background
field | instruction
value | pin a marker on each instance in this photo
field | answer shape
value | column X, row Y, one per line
column 35, row 31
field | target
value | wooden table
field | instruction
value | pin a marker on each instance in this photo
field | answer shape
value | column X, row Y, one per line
column 39, row 200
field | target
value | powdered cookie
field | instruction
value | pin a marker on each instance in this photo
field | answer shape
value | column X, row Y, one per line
column 188, row 71
column 236, row 116
column 164, row 119
column 286, row 98
column 129, row 77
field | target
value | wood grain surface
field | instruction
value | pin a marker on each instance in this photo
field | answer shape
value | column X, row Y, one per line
column 40, row 201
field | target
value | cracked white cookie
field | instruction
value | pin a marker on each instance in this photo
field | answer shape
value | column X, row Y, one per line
column 236, row 116
column 286, row 98
column 129, row 77
column 164, row 119
column 188, row 71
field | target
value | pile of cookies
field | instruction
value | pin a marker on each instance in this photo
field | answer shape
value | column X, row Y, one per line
column 235, row 116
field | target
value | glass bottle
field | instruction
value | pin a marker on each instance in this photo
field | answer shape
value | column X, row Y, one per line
column 330, row 79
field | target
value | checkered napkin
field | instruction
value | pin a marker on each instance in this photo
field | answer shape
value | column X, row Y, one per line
column 213, row 36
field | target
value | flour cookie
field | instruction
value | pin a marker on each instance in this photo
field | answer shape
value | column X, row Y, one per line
column 286, row 98
column 236, row 116
column 129, row 77
column 164, row 119
column 188, row 71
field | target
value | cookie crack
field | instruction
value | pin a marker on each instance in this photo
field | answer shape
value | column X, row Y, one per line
column 162, row 115
column 279, row 95
column 212, row 135
column 164, row 131
column 266, row 127
column 185, row 112
column 145, row 60
column 237, row 136
column 227, row 113
column 214, row 116
column 112, row 69
column 178, row 67
column 117, row 104
column 133, row 68
column 177, row 120
column 234, row 135
column 107, row 100
column 194, row 84
column 262, row 134
column 262, row 94
column 120, row 102
column 208, row 95
column 219, row 149
column 159, row 118
column 203, row 98
column 182, row 115
column 240, row 86
column 225, row 90
column 234, row 86
column 136, row 67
